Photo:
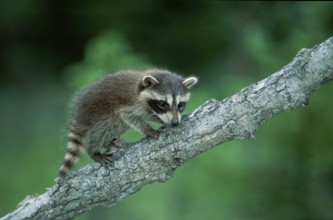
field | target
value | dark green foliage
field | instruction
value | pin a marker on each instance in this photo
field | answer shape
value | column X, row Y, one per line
column 49, row 49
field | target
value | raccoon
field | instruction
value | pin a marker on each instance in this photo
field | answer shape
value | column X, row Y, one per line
column 127, row 99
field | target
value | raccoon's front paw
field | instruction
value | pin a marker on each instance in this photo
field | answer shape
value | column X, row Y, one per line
column 153, row 133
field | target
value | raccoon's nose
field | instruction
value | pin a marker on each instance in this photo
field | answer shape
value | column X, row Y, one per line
column 175, row 122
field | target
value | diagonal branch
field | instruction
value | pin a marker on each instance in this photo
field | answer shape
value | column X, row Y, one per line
column 215, row 122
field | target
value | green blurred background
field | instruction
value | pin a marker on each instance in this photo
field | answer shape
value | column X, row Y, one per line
column 50, row 49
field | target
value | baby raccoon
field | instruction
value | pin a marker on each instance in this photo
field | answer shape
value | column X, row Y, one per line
column 127, row 99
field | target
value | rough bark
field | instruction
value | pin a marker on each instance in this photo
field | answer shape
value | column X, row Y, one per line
column 215, row 122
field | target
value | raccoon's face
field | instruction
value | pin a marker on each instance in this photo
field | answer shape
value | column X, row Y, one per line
column 166, row 95
column 168, row 108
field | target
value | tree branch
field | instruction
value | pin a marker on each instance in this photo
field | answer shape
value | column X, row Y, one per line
column 215, row 122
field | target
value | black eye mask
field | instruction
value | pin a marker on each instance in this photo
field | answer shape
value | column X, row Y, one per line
column 159, row 106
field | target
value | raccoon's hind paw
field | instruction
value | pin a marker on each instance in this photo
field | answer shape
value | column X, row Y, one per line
column 102, row 159
column 108, row 161
column 115, row 154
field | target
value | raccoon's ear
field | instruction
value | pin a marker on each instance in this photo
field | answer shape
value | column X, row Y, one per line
column 190, row 81
column 149, row 80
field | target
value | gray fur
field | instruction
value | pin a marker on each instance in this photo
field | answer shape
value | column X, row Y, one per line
column 107, row 108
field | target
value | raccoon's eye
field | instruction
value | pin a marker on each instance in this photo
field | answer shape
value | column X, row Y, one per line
column 181, row 106
column 158, row 106
column 162, row 105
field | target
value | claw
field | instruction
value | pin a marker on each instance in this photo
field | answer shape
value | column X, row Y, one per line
column 109, row 154
column 109, row 157
column 109, row 162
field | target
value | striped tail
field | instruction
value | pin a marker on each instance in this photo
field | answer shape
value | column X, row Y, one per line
column 74, row 145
